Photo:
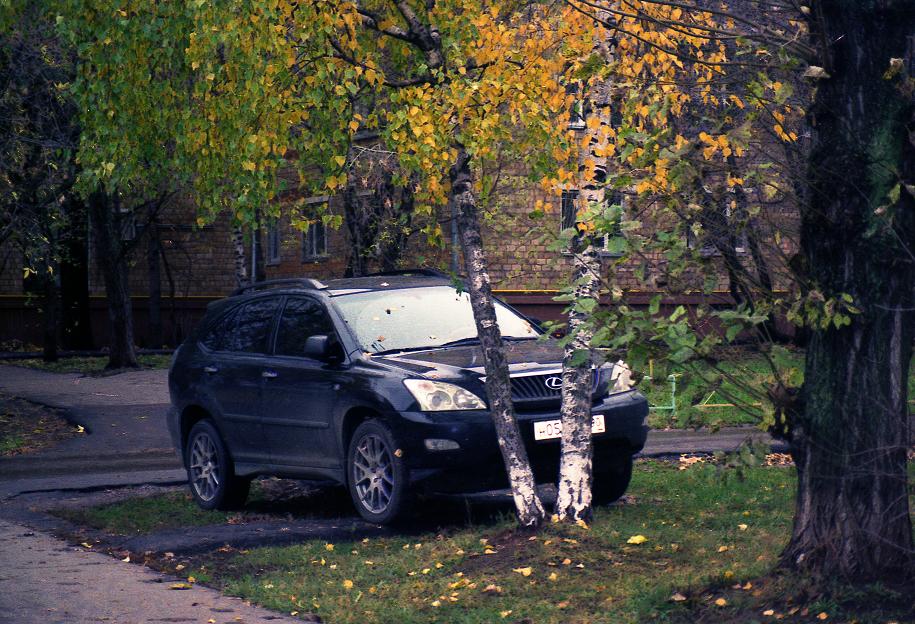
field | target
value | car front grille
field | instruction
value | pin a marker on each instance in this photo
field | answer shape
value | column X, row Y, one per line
column 539, row 389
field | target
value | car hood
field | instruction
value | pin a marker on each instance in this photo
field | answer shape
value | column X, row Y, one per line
column 463, row 361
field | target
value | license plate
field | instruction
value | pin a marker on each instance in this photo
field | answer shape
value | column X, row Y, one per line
column 549, row 429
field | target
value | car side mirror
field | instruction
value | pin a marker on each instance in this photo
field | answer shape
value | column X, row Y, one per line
column 317, row 347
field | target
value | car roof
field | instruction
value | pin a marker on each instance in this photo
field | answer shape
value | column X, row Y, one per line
column 380, row 282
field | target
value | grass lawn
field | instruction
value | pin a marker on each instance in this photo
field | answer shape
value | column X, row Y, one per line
column 26, row 427
column 732, row 393
column 681, row 541
column 88, row 365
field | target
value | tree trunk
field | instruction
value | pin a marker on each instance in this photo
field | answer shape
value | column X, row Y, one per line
column 112, row 261
column 498, row 388
column 154, row 272
column 573, row 501
column 238, row 248
column 849, row 440
column 51, row 307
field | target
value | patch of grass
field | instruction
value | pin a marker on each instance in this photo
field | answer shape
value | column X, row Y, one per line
column 733, row 388
column 144, row 515
column 26, row 427
column 700, row 527
column 89, row 365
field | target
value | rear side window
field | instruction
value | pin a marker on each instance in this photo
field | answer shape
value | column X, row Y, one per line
column 302, row 317
column 250, row 329
column 215, row 339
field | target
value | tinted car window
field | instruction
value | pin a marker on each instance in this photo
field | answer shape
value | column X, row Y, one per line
column 250, row 326
column 215, row 339
column 301, row 318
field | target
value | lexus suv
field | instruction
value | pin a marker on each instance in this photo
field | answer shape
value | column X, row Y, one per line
column 377, row 384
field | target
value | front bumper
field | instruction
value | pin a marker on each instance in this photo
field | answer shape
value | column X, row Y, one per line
column 478, row 465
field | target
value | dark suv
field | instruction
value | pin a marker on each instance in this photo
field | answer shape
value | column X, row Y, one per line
column 377, row 384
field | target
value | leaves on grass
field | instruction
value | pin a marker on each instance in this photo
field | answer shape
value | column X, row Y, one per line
column 347, row 584
column 180, row 586
column 721, row 602
column 637, row 539
column 678, row 597
column 523, row 571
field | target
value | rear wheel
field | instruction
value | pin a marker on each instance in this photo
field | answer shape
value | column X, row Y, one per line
column 611, row 484
column 376, row 476
column 210, row 473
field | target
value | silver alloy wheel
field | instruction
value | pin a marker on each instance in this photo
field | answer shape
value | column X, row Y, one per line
column 373, row 473
column 204, row 467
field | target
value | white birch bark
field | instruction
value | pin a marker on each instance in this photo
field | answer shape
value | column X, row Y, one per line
column 573, row 501
column 498, row 388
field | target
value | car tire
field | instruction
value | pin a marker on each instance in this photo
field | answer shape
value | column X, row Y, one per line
column 210, row 472
column 376, row 476
column 609, row 485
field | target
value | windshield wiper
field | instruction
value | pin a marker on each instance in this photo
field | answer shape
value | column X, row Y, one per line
column 460, row 341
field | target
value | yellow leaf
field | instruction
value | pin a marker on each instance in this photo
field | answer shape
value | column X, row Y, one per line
column 347, row 584
column 328, row 546
column 179, row 586
column 436, row 603
column 353, row 125
column 523, row 571
column 248, row 166
column 823, row 615
column 742, row 527
column 678, row 597
column 637, row 539
column 505, row 614
column 553, row 576
column 341, row 160
column 722, row 549
column 721, row 602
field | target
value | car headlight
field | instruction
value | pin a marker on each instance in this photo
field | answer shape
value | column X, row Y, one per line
column 438, row 396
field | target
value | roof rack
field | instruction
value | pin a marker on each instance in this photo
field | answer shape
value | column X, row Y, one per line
column 425, row 272
column 302, row 282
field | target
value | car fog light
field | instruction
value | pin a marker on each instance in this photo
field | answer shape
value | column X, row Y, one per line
column 434, row 444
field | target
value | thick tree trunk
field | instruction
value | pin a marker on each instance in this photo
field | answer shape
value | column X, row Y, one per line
column 112, row 261
column 573, row 501
column 498, row 388
column 849, row 440
column 51, row 307
column 154, row 273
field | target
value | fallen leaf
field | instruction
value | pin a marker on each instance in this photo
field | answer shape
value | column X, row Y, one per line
column 505, row 614
column 721, row 602
column 436, row 603
column 823, row 616
column 523, row 571
column 328, row 546
column 347, row 584
column 562, row 605
column 742, row 527
column 637, row 539
column 492, row 589
column 553, row 576
column 769, row 612
column 126, row 559
column 192, row 579
column 678, row 597
column 180, row 586
column 722, row 549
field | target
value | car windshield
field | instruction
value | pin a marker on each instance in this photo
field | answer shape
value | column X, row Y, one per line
column 413, row 318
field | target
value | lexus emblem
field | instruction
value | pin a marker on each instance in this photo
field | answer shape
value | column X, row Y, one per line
column 553, row 383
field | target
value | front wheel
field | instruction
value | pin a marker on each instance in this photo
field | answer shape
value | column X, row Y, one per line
column 611, row 484
column 376, row 476
column 210, row 473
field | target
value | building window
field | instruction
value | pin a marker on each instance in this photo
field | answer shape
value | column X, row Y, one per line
column 314, row 242
column 273, row 244
column 569, row 216
column 705, row 243
column 569, row 209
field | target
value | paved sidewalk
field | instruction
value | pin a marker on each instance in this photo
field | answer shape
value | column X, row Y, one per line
column 45, row 581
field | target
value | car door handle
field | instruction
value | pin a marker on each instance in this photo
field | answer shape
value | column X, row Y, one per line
column 269, row 374
column 210, row 369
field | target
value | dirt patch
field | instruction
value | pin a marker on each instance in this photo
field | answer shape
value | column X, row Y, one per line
column 26, row 427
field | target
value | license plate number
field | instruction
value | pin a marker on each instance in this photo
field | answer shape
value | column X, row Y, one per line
column 549, row 429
